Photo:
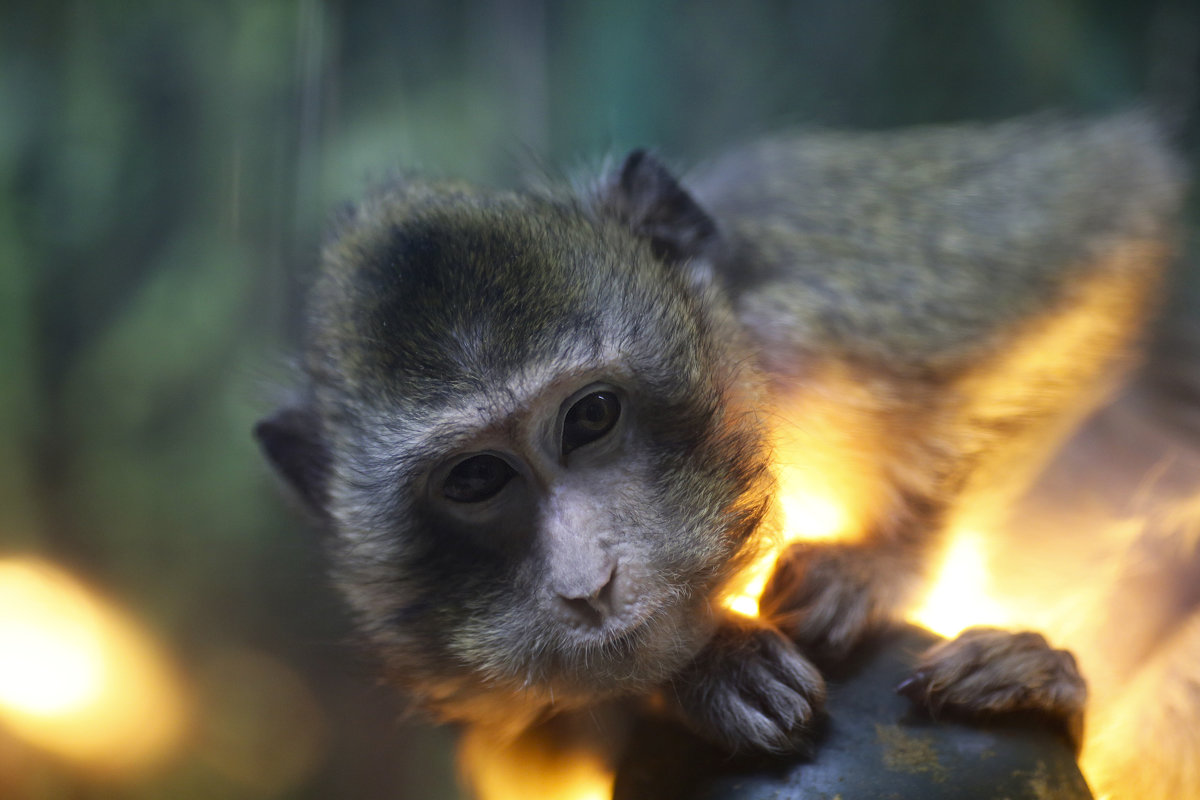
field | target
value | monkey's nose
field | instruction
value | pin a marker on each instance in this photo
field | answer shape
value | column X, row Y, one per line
column 593, row 606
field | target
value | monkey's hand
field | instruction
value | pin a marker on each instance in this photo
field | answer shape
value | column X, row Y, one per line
column 986, row 671
column 829, row 597
column 749, row 689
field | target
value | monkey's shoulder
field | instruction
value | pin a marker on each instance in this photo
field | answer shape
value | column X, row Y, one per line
column 922, row 247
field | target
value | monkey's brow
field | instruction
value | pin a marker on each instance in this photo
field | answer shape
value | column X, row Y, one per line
column 441, row 432
column 446, row 428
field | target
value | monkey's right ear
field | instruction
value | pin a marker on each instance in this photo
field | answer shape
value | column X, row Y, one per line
column 291, row 440
column 647, row 197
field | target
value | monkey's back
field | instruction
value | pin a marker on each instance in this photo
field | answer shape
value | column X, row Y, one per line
column 924, row 250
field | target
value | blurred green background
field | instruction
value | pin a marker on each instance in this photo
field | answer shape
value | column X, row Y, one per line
column 166, row 170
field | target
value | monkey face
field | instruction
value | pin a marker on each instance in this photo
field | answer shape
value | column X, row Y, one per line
column 559, row 501
column 534, row 436
column 563, row 534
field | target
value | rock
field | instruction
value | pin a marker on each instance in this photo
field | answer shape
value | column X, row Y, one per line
column 871, row 744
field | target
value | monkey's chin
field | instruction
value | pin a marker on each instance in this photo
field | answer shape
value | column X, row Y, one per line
column 625, row 656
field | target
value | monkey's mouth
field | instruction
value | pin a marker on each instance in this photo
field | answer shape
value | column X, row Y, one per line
column 632, row 649
column 592, row 623
column 610, row 635
column 626, row 634
column 630, row 626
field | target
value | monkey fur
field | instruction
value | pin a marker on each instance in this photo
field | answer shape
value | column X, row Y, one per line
column 547, row 426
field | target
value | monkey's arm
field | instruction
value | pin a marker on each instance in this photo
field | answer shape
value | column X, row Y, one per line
column 931, row 308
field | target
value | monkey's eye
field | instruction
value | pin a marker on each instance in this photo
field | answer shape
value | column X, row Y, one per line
column 477, row 478
column 589, row 419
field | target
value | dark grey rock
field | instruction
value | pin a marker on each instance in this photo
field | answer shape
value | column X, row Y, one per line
column 871, row 744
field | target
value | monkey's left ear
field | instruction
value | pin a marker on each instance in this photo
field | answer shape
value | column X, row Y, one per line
column 647, row 197
column 291, row 440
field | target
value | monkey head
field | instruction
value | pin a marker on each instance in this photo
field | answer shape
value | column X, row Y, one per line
column 529, row 421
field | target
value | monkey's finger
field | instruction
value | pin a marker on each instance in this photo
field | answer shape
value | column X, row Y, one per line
column 987, row 672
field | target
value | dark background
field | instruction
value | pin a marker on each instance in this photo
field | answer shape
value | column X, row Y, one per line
column 165, row 173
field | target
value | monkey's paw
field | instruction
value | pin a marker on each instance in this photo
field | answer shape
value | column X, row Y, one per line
column 749, row 689
column 986, row 671
column 827, row 597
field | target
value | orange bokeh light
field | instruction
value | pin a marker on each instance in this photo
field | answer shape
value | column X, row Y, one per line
column 502, row 768
column 78, row 678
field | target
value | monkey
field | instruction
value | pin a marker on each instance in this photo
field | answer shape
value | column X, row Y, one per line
column 549, row 427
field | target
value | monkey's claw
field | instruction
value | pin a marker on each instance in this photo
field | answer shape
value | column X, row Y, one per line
column 915, row 686
column 750, row 689
column 986, row 672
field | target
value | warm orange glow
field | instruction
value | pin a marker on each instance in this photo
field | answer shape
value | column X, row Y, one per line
column 533, row 767
column 821, row 485
column 960, row 596
column 45, row 672
column 806, row 515
column 811, row 511
column 77, row 678
column 745, row 600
